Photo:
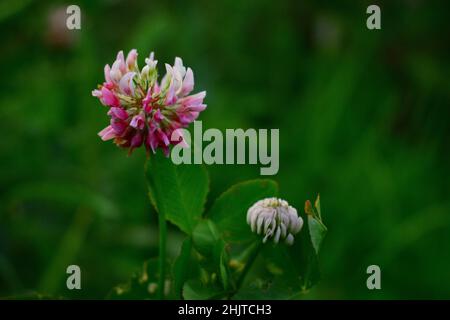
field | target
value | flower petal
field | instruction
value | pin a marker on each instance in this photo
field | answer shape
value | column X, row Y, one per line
column 107, row 133
column 188, row 83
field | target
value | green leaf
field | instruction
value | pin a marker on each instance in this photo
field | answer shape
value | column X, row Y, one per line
column 317, row 231
column 317, row 205
column 290, row 270
column 229, row 211
column 208, row 242
column 205, row 237
column 177, row 191
column 181, row 267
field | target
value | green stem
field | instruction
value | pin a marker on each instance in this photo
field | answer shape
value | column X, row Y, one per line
column 251, row 259
column 162, row 241
column 162, row 254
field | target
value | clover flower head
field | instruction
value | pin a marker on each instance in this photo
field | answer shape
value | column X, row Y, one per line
column 274, row 218
column 144, row 111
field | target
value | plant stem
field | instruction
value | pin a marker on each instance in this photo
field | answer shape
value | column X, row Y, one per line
column 162, row 254
column 251, row 259
column 162, row 241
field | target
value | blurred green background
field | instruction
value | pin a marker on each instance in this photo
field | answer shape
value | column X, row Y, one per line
column 363, row 118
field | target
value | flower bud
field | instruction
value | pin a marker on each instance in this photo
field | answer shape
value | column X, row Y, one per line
column 274, row 218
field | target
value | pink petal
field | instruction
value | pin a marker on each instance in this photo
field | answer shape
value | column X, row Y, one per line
column 194, row 99
column 156, row 89
column 152, row 141
column 108, row 74
column 158, row 116
column 167, row 77
column 126, row 84
column 138, row 122
column 121, row 59
column 108, row 98
column 178, row 67
column 118, row 113
column 187, row 117
column 119, row 127
column 188, row 82
column 137, row 140
column 107, row 133
column 131, row 59
column 171, row 97
column 147, row 100
column 197, row 108
column 162, row 137
column 116, row 72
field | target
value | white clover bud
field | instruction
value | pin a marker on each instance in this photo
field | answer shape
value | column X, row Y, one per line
column 274, row 218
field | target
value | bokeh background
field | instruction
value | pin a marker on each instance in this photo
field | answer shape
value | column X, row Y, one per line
column 363, row 118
